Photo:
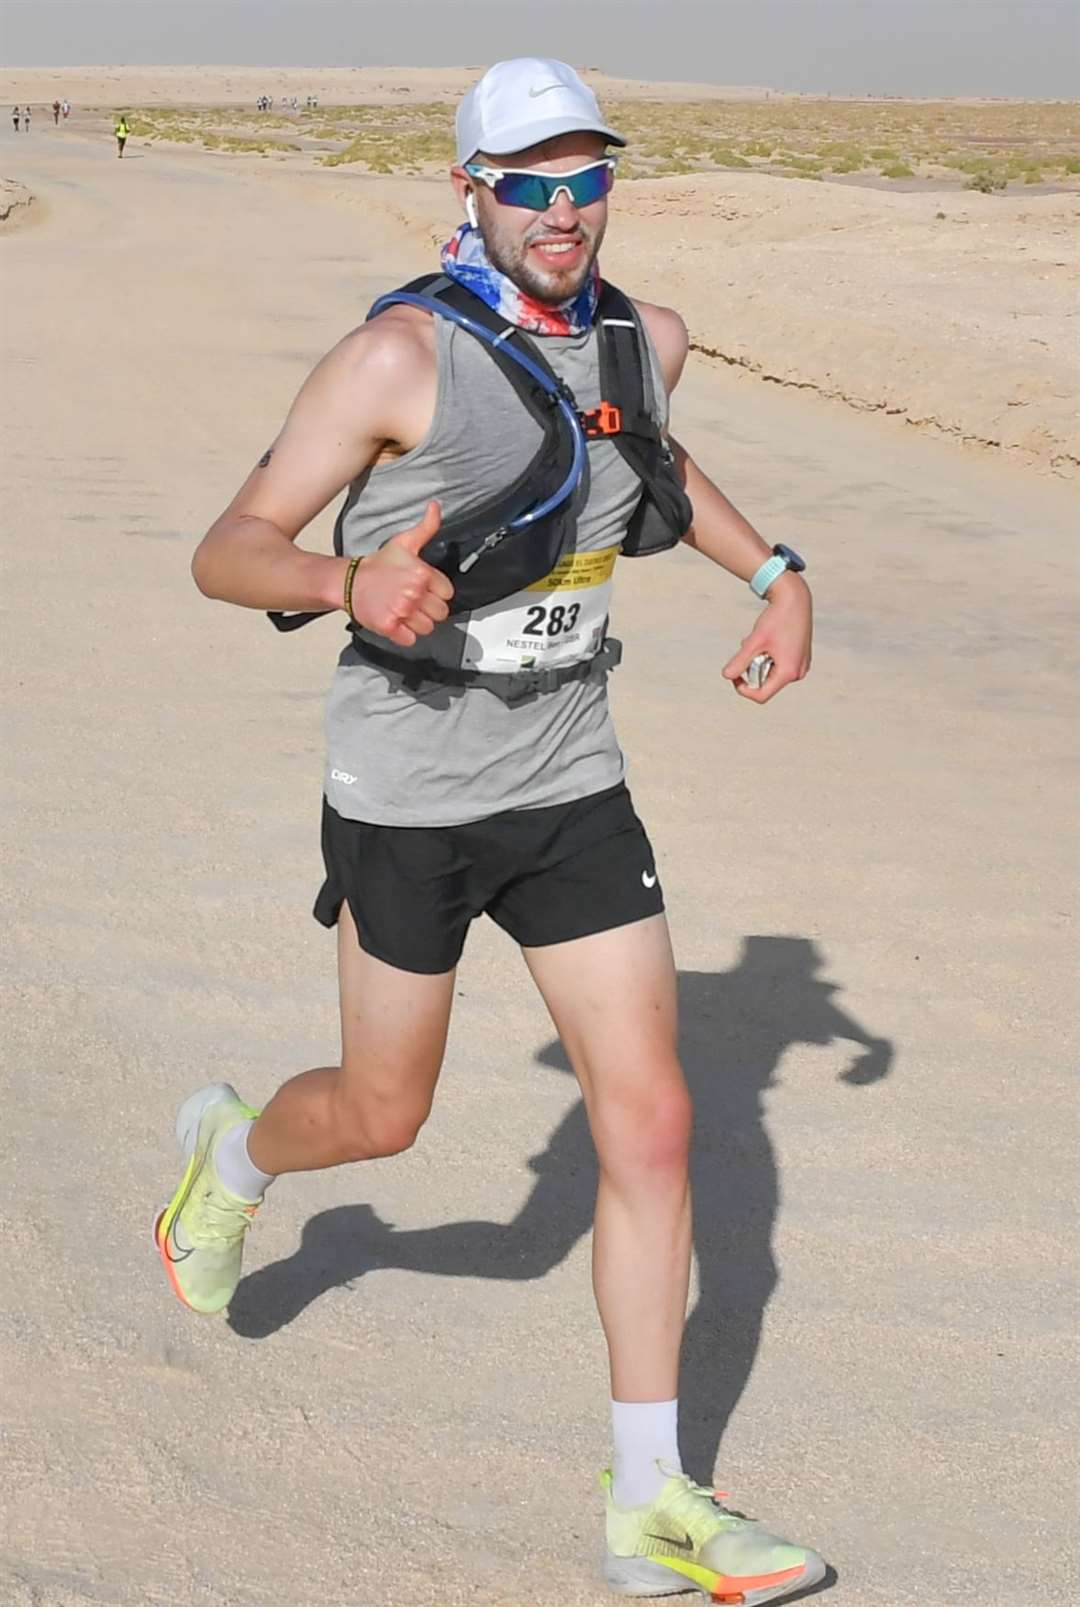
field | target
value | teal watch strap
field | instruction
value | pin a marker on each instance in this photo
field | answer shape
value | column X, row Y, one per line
column 763, row 578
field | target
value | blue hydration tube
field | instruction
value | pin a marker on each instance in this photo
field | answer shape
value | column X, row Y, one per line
column 577, row 467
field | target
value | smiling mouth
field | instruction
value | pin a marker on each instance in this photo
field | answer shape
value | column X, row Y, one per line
column 556, row 249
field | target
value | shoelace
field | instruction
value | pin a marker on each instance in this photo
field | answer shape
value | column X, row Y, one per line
column 222, row 1219
column 691, row 1492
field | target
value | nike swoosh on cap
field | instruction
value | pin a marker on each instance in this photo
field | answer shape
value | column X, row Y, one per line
column 543, row 90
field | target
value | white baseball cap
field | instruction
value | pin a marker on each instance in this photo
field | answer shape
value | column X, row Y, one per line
column 521, row 102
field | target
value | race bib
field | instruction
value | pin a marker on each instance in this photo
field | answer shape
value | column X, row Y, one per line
column 557, row 620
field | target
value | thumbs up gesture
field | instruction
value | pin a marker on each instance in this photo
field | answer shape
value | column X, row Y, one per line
column 395, row 593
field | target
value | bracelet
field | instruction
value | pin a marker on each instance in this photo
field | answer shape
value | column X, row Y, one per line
column 350, row 576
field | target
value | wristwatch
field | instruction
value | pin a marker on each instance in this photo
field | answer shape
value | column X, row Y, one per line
column 782, row 558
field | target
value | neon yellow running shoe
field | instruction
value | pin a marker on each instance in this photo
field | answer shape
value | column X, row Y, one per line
column 686, row 1540
column 200, row 1233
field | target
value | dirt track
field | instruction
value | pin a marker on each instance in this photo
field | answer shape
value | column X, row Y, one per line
column 869, row 890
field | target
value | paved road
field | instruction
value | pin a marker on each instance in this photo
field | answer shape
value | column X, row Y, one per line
column 869, row 889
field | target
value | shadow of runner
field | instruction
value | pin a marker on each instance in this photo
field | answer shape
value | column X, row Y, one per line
column 734, row 1028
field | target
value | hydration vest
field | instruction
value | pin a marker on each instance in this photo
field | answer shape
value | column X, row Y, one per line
column 518, row 536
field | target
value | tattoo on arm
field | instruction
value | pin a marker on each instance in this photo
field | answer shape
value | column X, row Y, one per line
column 265, row 459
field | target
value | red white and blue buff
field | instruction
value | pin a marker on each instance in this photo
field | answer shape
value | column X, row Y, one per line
column 465, row 260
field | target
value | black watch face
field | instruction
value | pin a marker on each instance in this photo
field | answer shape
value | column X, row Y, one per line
column 793, row 559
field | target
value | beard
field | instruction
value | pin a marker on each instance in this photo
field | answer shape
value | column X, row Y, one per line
column 547, row 285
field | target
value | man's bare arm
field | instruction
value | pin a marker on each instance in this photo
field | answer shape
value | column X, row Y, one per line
column 346, row 411
column 719, row 529
column 721, row 532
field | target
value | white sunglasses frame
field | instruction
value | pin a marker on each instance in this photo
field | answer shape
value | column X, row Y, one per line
column 491, row 175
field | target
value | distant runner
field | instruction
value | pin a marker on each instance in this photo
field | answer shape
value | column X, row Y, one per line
column 122, row 132
column 56, row 112
column 65, row 107
column 495, row 472
column 26, row 119
column 15, row 116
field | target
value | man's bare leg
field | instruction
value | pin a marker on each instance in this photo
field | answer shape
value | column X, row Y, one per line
column 393, row 1037
column 612, row 999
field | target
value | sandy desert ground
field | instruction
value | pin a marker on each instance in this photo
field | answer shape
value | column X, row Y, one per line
column 948, row 310
column 869, row 884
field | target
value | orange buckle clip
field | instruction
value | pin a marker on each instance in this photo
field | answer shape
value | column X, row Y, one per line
column 603, row 420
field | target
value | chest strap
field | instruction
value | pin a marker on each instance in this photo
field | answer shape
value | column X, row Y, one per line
column 513, row 686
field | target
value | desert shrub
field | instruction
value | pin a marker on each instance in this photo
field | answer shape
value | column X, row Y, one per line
column 897, row 170
column 1033, row 176
column 981, row 164
column 841, row 156
column 724, row 156
column 759, row 147
column 1071, row 164
column 373, row 155
column 258, row 147
column 1018, row 167
column 986, row 182
column 884, row 153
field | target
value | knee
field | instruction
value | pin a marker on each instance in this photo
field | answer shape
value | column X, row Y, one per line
column 371, row 1128
column 647, row 1131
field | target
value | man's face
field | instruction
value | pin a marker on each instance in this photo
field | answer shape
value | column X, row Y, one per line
column 548, row 254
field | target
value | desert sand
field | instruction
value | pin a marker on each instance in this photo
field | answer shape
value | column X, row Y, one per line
column 951, row 312
column 223, row 86
column 869, row 885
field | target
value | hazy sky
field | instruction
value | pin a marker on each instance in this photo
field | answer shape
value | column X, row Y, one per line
column 919, row 47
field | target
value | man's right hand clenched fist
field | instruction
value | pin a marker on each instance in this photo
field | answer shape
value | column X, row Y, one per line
column 395, row 593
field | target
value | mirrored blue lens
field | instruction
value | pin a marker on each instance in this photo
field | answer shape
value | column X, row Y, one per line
column 537, row 191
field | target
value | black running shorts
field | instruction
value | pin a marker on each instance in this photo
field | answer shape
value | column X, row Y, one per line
column 544, row 875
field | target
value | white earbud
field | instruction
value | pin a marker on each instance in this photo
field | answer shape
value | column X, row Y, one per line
column 470, row 209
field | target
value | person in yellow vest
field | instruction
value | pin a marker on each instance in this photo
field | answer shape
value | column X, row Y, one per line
column 122, row 131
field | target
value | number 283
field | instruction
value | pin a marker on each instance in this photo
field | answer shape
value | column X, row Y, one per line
column 557, row 620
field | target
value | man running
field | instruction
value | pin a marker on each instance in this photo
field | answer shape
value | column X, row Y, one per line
column 446, row 800
column 56, row 113
column 16, row 114
column 123, row 129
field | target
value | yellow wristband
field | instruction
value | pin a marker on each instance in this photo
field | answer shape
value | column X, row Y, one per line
column 350, row 576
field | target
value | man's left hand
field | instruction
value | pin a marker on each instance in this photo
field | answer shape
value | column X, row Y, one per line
column 784, row 631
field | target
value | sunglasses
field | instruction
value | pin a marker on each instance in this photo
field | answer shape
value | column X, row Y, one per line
column 523, row 187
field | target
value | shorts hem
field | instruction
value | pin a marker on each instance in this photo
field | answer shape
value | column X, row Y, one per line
column 591, row 928
column 327, row 911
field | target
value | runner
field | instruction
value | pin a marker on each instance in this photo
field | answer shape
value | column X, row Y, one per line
column 474, row 771
column 56, row 112
column 122, row 131
column 65, row 107
column 26, row 119
column 15, row 116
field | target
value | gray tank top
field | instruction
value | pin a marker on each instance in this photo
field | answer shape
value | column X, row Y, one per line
column 438, row 755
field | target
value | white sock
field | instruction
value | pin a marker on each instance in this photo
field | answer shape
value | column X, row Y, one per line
column 236, row 1169
column 644, row 1433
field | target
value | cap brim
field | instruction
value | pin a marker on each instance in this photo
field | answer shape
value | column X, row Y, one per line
column 522, row 139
